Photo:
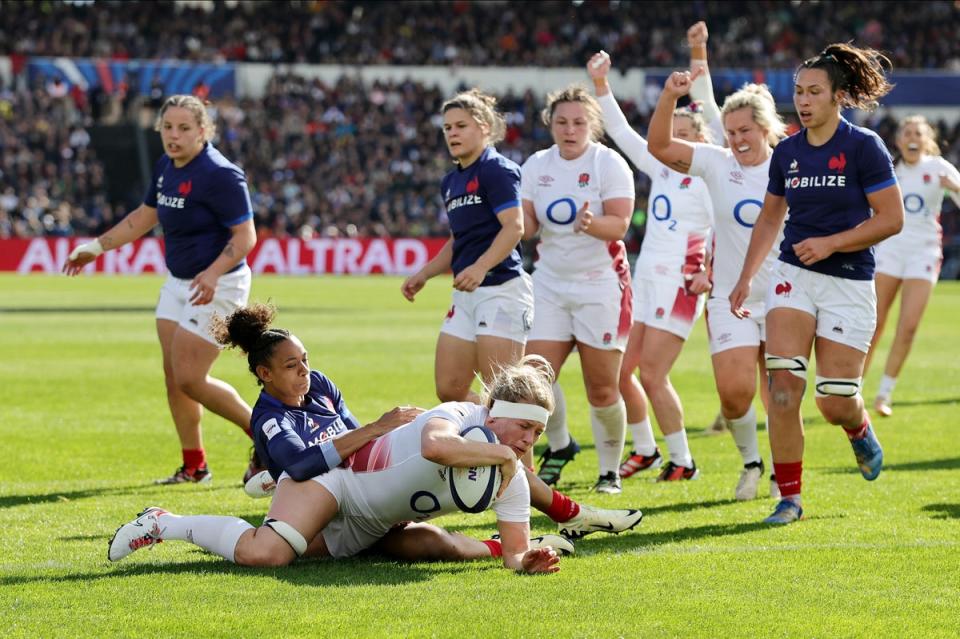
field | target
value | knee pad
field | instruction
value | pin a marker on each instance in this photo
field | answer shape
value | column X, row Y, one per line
column 794, row 365
column 289, row 534
column 837, row 386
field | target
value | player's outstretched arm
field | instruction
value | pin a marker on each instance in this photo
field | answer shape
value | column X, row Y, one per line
column 517, row 555
column 439, row 264
column 134, row 225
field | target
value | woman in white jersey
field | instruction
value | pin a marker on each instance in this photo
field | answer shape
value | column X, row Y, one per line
column 400, row 479
column 582, row 293
column 669, row 280
column 910, row 261
column 736, row 177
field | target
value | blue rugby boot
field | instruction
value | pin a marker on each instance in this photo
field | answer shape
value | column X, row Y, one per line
column 869, row 454
column 786, row 512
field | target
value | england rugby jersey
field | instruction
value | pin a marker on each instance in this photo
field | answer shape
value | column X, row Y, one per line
column 679, row 211
column 737, row 193
column 197, row 204
column 288, row 438
column 558, row 188
column 923, row 197
column 396, row 483
column 473, row 197
column 826, row 188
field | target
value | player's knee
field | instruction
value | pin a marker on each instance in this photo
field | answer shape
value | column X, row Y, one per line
column 840, row 411
column 652, row 378
column 603, row 395
column 263, row 552
column 736, row 402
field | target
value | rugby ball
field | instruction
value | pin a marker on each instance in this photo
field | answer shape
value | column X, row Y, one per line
column 476, row 487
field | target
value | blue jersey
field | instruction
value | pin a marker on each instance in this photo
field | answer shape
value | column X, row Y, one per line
column 298, row 439
column 197, row 204
column 473, row 197
column 826, row 188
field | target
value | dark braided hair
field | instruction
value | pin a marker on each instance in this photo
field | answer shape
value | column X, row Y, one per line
column 859, row 73
column 248, row 328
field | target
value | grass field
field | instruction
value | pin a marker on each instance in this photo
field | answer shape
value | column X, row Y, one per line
column 85, row 430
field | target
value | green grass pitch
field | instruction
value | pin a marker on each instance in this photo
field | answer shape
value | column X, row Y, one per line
column 85, row 430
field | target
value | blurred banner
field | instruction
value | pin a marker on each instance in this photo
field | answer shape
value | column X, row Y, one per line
column 211, row 80
column 286, row 256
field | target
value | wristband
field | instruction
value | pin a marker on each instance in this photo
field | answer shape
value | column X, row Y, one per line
column 94, row 248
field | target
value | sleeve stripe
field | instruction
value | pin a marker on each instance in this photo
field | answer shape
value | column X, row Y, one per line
column 882, row 185
column 507, row 205
column 240, row 220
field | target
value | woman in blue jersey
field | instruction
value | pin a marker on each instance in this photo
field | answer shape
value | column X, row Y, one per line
column 398, row 479
column 492, row 309
column 838, row 182
column 201, row 201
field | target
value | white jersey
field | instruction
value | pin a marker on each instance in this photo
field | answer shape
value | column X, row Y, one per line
column 737, row 192
column 679, row 212
column 923, row 197
column 399, row 484
column 558, row 188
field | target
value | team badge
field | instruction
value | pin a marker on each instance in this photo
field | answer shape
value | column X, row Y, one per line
column 584, row 180
column 184, row 188
column 838, row 162
column 926, row 178
column 784, row 289
column 473, row 184
column 659, row 313
column 607, row 338
column 451, row 311
column 685, row 183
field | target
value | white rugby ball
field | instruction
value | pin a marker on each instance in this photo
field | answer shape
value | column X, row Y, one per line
column 476, row 487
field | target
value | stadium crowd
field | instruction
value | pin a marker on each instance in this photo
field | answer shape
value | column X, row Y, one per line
column 764, row 34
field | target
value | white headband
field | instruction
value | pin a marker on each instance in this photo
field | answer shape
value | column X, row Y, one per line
column 514, row 410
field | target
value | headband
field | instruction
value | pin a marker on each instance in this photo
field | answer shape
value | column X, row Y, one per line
column 514, row 410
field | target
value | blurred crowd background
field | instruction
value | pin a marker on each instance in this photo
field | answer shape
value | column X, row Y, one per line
column 343, row 158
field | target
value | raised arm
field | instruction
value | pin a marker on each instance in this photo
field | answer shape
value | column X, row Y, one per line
column 674, row 152
column 614, row 121
column 702, row 88
column 135, row 225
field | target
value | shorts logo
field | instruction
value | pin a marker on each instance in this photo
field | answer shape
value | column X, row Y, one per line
column 185, row 187
column 473, row 184
column 685, row 183
column 837, row 329
column 451, row 311
column 783, row 289
column 659, row 313
column 584, row 180
column 526, row 320
column 545, row 180
column 607, row 338
column 838, row 162
column 724, row 337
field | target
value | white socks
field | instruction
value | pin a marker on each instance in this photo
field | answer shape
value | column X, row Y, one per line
column 643, row 441
column 558, row 435
column 218, row 535
column 609, row 425
column 744, row 431
column 679, row 449
column 887, row 385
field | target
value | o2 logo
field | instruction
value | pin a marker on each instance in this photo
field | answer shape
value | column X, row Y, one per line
column 913, row 203
column 662, row 210
column 564, row 203
column 424, row 502
column 738, row 212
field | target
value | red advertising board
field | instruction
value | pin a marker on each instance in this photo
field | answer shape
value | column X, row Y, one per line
column 287, row 256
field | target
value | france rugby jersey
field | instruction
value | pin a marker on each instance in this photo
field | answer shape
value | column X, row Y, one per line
column 826, row 188
column 288, row 438
column 197, row 204
column 473, row 197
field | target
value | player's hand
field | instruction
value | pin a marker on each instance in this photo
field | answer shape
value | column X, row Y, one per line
column 697, row 35
column 508, row 470
column 397, row 417
column 584, row 219
column 948, row 184
column 412, row 285
column 738, row 296
column 679, row 82
column 204, row 286
column 699, row 282
column 813, row 249
column 598, row 66
column 540, row 560
column 469, row 278
column 81, row 256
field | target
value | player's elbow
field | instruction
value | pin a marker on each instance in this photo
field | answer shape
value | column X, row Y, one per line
column 434, row 450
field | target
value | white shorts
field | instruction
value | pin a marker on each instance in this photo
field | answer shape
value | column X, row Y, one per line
column 233, row 291
column 666, row 306
column 846, row 310
column 909, row 260
column 354, row 529
column 505, row 310
column 594, row 313
column 727, row 331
